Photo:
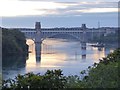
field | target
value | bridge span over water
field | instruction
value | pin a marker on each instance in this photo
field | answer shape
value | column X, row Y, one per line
column 82, row 34
column 75, row 32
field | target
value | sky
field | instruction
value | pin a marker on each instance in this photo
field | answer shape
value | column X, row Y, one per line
column 58, row 13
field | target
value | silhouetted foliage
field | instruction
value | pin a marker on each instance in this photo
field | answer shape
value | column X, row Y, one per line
column 51, row 79
column 13, row 42
column 0, row 81
column 105, row 73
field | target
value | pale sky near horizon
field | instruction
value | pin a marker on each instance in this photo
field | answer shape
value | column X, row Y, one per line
column 58, row 13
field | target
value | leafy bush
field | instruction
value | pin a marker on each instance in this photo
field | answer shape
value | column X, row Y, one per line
column 105, row 73
column 51, row 79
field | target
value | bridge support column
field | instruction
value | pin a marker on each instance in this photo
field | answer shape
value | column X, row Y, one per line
column 83, row 50
column 38, row 41
column 83, row 43
column 38, row 51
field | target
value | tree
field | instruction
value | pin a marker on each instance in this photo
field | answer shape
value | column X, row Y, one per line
column 51, row 79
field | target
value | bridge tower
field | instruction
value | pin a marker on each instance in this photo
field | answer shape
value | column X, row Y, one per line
column 38, row 41
column 83, row 43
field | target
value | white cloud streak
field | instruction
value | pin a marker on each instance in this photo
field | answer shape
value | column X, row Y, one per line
column 98, row 10
column 11, row 8
column 15, row 8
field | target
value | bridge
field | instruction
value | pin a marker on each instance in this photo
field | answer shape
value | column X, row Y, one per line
column 82, row 34
column 73, row 32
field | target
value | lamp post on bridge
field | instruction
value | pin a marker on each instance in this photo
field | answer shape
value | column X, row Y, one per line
column 38, row 41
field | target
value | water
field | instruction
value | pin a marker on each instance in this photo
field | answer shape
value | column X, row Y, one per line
column 56, row 54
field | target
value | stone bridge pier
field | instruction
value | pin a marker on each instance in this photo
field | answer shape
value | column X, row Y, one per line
column 38, row 41
column 83, row 42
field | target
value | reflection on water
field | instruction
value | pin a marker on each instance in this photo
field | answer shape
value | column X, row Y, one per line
column 55, row 54
column 13, row 65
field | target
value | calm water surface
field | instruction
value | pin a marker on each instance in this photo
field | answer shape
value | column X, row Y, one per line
column 56, row 54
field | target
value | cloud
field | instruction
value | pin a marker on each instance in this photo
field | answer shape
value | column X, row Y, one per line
column 11, row 8
column 18, row 8
column 98, row 10
column 15, row 8
column 74, row 0
column 84, row 7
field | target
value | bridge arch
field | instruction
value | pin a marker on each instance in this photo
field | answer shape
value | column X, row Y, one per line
column 52, row 35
